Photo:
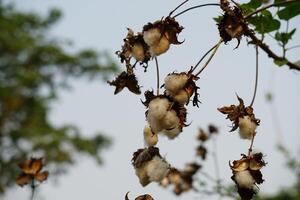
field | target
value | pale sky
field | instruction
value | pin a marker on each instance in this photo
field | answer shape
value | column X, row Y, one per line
column 92, row 106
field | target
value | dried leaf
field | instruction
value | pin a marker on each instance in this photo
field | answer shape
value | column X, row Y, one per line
column 125, row 80
column 31, row 167
column 23, row 179
column 42, row 176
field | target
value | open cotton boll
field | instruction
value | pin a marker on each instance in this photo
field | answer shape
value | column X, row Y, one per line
column 170, row 120
column 157, row 169
column 182, row 97
column 138, row 52
column 155, row 124
column 244, row 179
column 150, row 138
column 246, row 127
column 152, row 36
column 161, row 47
column 173, row 133
column 175, row 82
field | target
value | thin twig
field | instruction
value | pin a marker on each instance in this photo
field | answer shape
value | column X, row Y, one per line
column 269, row 6
column 217, row 167
column 199, row 6
column 270, row 53
column 157, row 76
column 203, row 57
column 292, row 47
column 256, row 75
column 211, row 56
column 32, row 189
column 177, row 7
column 251, row 144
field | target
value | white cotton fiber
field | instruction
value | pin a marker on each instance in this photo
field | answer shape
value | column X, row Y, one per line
column 138, row 52
column 244, row 179
column 246, row 127
column 158, row 107
column 161, row 47
column 182, row 97
column 157, row 169
column 152, row 36
column 175, row 82
column 170, row 120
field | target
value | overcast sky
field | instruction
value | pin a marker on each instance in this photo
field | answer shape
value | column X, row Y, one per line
column 92, row 106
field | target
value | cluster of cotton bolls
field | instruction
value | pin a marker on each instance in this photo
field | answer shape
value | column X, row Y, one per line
column 154, row 40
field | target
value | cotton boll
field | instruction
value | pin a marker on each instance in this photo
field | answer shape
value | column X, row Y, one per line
column 155, row 124
column 182, row 97
column 157, row 169
column 244, row 179
column 152, row 36
column 246, row 127
column 150, row 138
column 175, row 82
column 142, row 175
column 161, row 47
column 138, row 52
column 173, row 133
column 170, row 120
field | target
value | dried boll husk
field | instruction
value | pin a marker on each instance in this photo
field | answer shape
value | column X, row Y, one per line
column 150, row 138
column 246, row 127
column 244, row 179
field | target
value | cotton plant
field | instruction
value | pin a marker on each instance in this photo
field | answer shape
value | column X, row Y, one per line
column 166, row 107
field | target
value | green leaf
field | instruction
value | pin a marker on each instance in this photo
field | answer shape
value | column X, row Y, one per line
column 218, row 19
column 264, row 22
column 280, row 62
column 250, row 6
column 284, row 37
column 291, row 10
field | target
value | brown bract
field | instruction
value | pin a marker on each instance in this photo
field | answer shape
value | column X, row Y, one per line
column 234, row 112
column 253, row 164
column 201, row 152
column 127, row 51
column 202, row 135
column 141, row 197
column 142, row 156
column 31, row 170
column 182, row 180
column 126, row 80
column 168, row 27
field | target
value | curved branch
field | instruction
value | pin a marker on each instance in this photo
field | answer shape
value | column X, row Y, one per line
column 269, row 52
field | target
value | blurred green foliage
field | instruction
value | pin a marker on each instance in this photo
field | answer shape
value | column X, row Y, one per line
column 33, row 67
